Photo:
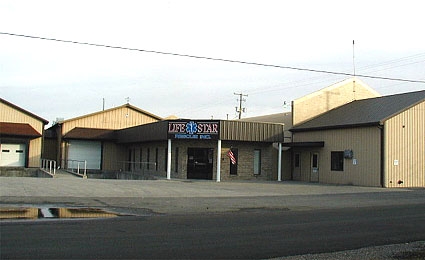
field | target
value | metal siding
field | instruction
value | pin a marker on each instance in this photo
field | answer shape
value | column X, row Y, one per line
column 251, row 131
column 405, row 144
column 328, row 98
column 366, row 145
column 119, row 118
column 12, row 115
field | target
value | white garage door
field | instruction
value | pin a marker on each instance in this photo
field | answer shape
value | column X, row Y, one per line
column 12, row 155
column 90, row 151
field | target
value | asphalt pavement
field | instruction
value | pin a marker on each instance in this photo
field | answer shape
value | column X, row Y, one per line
column 178, row 196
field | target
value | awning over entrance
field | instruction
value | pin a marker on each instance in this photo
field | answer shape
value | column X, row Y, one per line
column 90, row 134
column 304, row 144
column 18, row 129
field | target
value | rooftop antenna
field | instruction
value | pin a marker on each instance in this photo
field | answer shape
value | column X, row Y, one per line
column 354, row 75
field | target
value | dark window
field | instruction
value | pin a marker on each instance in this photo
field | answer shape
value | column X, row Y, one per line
column 148, row 158
column 234, row 167
column 337, row 161
column 297, row 160
column 156, row 159
column 315, row 160
column 177, row 160
column 166, row 159
column 257, row 162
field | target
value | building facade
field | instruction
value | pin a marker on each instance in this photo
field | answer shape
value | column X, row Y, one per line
column 370, row 142
column 21, row 136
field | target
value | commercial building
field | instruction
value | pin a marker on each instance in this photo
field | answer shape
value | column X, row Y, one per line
column 343, row 134
column 371, row 142
column 21, row 136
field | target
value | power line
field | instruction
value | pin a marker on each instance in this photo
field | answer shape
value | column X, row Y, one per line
column 210, row 58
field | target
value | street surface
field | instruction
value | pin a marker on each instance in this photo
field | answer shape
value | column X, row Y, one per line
column 201, row 219
column 248, row 234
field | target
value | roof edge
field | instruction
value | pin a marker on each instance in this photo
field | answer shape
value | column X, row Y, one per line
column 24, row 111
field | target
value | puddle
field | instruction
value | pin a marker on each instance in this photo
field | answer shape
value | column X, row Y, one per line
column 54, row 213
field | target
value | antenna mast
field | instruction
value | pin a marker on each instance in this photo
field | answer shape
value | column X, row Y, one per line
column 354, row 75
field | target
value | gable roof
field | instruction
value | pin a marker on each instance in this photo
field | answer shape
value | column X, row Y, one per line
column 24, row 111
column 372, row 111
column 115, row 108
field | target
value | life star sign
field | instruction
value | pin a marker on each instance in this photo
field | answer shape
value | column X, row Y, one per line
column 191, row 127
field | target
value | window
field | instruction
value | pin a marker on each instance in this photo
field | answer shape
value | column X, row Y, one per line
column 337, row 161
column 297, row 160
column 166, row 159
column 148, row 155
column 176, row 169
column 234, row 167
column 156, row 159
column 257, row 162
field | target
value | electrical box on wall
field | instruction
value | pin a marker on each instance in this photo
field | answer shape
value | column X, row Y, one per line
column 348, row 154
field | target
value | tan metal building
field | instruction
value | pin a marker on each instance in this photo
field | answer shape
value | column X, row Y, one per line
column 199, row 149
column 91, row 137
column 21, row 136
column 371, row 142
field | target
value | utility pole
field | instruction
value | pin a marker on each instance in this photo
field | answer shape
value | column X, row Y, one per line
column 240, row 109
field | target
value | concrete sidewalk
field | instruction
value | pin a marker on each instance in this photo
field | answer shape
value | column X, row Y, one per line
column 185, row 196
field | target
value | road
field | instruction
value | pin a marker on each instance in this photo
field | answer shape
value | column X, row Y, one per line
column 246, row 234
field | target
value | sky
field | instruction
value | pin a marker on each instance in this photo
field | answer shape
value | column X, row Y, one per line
column 63, row 80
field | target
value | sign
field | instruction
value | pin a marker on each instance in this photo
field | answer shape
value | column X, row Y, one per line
column 195, row 130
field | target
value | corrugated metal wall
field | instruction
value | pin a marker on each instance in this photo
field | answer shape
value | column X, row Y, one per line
column 328, row 98
column 405, row 148
column 122, row 117
column 9, row 114
column 251, row 131
column 366, row 145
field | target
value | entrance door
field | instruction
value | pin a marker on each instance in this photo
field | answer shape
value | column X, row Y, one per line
column 12, row 155
column 314, row 175
column 200, row 163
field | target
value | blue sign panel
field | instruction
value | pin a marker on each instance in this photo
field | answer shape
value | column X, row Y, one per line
column 192, row 129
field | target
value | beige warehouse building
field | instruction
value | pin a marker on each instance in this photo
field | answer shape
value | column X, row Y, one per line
column 21, row 136
column 375, row 141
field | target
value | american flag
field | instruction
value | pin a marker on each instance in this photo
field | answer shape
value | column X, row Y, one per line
column 231, row 156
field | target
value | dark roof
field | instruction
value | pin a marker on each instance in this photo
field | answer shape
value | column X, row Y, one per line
column 372, row 111
column 24, row 111
column 90, row 133
column 279, row 118
column 18, row 129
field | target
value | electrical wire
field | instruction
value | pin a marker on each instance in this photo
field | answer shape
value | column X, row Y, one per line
column 211, row 58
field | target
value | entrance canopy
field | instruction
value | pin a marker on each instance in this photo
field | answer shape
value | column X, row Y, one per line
column 203, row 130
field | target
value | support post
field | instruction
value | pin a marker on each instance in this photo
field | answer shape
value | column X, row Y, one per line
column 279, row 163
column 218, row 159
column 169, row 160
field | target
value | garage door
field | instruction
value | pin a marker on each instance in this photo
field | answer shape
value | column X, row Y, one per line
column 90, row 151
column 12, row 155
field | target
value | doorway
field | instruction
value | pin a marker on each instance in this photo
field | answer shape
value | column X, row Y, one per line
column 200, row 163
column 314, row 174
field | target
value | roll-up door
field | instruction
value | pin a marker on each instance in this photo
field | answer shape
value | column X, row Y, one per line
column 12, row 155
column 90, row 151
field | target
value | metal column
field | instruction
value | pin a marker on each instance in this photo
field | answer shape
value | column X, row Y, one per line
column 169, row 160
column 218, row 159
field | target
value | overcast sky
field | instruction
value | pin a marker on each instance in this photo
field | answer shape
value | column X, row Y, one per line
column 55, row 79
